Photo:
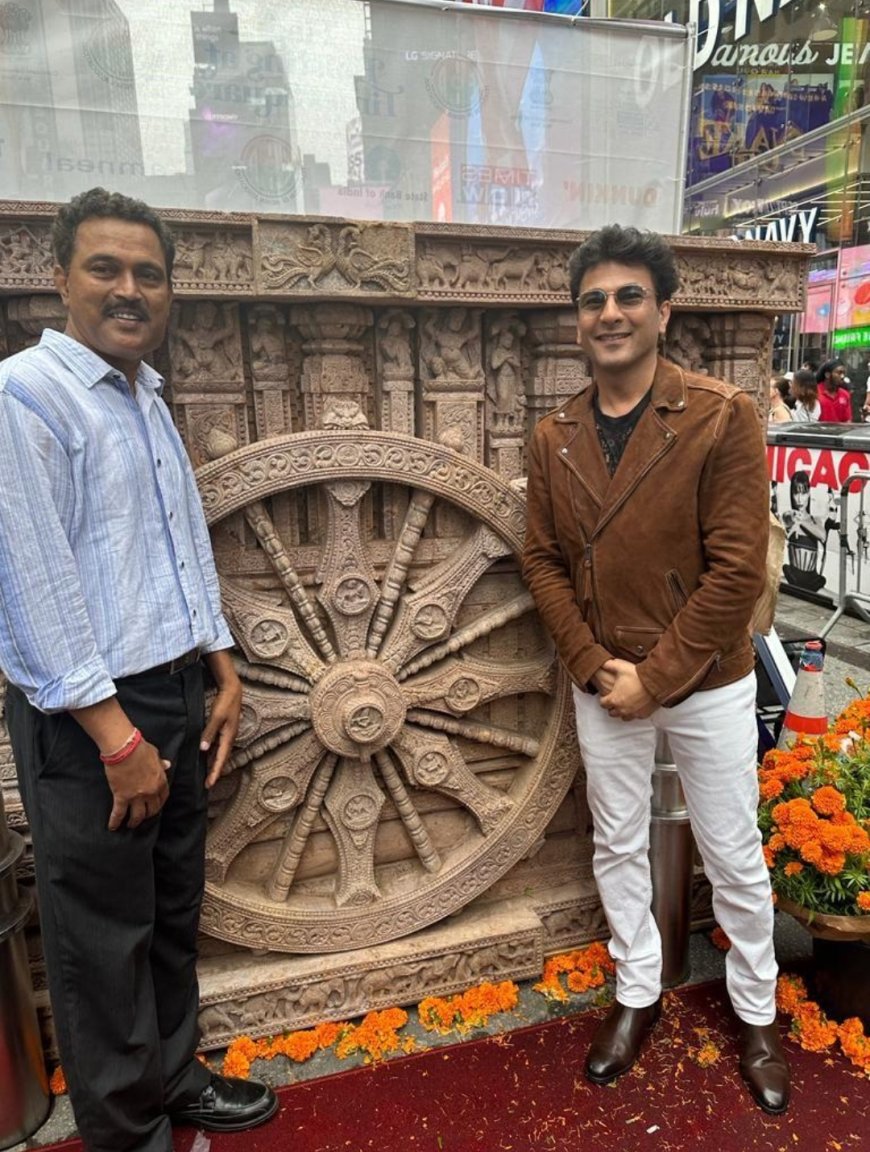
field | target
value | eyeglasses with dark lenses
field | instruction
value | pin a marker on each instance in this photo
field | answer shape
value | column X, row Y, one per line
column 627, row 296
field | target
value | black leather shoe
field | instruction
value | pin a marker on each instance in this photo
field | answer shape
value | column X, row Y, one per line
column 228, row 1105
column 764, row 1067
column 618, row 1040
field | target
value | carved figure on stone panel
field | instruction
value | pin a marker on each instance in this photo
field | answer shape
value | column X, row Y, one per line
column 431, row 271
column 192, row 250
column 505, row 391
column 456, row 340
column 268, row 350
column 394, row 343
column 308, row 262
column 361, row 266
column 207, row 346
column 23, row 255
column 473, row 269
column 343, row 414
column 229, row 258
column 687, row 341
column 515, row 269
column 211, row 427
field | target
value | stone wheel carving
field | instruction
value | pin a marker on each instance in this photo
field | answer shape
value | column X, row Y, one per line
column 375, row 792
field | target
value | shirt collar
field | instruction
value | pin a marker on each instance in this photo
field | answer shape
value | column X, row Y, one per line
column 91, row 369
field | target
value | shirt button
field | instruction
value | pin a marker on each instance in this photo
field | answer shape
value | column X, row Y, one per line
column 564, row 451
column 681, row 404
column 159, row 461
column 171, row 515
column 182, row 564
column 194, row 612
column 639, row 649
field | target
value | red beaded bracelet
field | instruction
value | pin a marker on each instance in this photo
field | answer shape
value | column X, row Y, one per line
column 127, row 749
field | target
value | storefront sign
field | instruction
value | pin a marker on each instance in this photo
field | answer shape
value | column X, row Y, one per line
column 851, row 338
column 797, row 227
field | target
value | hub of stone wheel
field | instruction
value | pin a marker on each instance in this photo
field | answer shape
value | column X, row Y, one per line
column 357, row 708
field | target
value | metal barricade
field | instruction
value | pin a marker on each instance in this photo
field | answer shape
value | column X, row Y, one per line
column 852, row 560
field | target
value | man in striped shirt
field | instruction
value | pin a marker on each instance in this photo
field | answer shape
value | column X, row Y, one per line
column 109, row 604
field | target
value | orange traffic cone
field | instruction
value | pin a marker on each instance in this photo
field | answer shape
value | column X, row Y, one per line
column 806, row 714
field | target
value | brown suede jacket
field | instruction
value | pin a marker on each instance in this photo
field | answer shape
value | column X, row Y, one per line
column 662, row 564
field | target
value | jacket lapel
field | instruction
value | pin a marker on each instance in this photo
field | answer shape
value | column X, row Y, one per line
column 653, row 438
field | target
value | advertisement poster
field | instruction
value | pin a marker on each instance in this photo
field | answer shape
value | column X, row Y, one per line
column 736, row 117
column 805, row 494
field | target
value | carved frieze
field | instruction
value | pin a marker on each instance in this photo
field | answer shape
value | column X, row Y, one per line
column 26, row 263
column 342, row 259
column 218, row 260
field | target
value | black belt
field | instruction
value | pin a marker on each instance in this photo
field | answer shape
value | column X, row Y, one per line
column 173, row 666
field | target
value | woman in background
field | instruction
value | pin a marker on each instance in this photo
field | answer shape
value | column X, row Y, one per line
column 778, row 412
column 806, row 394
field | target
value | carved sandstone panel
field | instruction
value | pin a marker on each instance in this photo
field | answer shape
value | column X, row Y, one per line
column 406, row 739
column 334, row 259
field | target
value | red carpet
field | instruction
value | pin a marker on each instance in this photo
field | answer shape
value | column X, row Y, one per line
column 525, row 1092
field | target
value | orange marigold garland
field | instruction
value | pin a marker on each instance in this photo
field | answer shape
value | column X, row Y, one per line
column 814, row 1031
column 471, row 1009
column 57, row 1083
column 584, row 969
column 375, row 1037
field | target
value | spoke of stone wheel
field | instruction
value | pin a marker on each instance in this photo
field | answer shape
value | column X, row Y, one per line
column 352, row 811
column 464, row 684
column 431, row 760
column 281, row 879
column 425, row 615
column 429, row 857
column 348, row 585
column 277, row 782
column 482, row 626
column 482, row 733
column 267, row 629
column 274, row 677
column 394, row 576
column 268, row 743
column 264, row 529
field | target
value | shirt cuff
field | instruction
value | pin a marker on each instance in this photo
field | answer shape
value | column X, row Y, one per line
column 87, row 685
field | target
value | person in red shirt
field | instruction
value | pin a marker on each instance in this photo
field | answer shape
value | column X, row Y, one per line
column 836, row 401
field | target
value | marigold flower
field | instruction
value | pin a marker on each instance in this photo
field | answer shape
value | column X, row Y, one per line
column 57, row 1083
column 863, row 901
column 828, row 800
column 793, row 868
column 720, row 939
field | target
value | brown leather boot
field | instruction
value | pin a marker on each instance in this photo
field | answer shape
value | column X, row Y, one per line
column 618, row 1040
column 764, row 1067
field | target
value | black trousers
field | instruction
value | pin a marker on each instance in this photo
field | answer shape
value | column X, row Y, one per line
column 120, row 911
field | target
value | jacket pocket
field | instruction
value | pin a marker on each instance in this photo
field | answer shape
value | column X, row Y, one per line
column 677, row 590
column 637, row 643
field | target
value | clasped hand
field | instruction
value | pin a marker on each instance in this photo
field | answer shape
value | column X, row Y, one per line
column 621, row 692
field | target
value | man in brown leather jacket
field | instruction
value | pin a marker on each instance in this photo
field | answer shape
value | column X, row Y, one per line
column 645, row 553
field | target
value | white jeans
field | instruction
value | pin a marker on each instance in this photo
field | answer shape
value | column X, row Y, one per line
column 713, row 739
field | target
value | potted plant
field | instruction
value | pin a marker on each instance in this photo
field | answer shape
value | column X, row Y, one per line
column 814, row 815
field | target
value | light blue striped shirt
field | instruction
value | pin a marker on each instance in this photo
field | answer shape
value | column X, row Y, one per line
column 106, row 566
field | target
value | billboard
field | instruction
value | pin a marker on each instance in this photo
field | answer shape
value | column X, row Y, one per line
column 383, row 110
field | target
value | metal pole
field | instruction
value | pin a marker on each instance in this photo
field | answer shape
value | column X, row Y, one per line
column 672, row 853
column 24, row 1095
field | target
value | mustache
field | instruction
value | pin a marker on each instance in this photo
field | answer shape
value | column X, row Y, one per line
column 120, row 306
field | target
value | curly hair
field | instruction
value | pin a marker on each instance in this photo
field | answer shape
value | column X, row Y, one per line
column 97, row 202
column 626, row 245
